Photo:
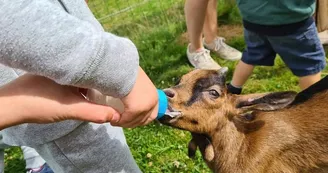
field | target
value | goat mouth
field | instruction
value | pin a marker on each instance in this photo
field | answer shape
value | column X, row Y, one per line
column 170, row 115
column 170, row 109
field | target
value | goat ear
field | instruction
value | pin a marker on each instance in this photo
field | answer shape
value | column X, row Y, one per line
column 268, row 102
column 247, row 122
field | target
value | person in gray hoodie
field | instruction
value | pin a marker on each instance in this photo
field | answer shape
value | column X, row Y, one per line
column 62, row 40
column 29, row 93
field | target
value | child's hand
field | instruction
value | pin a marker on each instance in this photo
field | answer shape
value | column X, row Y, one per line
column 36, row 99
column 141, row 104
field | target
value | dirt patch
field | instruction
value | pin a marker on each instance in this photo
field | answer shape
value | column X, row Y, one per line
column 226, row 31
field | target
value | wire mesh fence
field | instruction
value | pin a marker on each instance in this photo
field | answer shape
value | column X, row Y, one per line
column 134, row 17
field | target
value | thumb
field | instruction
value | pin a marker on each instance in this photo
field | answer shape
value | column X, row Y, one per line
column 87, row 111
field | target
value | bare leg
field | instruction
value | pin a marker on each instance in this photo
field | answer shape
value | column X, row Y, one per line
column 211, row 24
column 212, row 42
column 195, row 11
column 323, row 36
column 241, row 74
column 306, row 81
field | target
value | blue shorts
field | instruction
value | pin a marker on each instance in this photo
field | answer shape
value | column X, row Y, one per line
column 302, row 51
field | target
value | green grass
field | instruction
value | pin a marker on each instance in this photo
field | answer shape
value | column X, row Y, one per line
column 156, row 28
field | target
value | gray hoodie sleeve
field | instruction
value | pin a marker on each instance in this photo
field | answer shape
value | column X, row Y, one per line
column 40, row 37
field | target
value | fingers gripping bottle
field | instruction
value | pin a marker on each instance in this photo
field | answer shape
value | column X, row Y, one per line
column 116, row 103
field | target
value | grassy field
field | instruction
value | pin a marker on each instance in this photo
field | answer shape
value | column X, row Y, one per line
column 158, row 30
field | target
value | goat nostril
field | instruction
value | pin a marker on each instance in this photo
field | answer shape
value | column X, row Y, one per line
column 169, row 93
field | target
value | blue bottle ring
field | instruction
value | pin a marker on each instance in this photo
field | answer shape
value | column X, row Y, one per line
column 162, row 103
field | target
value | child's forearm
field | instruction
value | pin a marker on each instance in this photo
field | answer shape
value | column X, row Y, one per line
column 36, row 99
column 9, row 112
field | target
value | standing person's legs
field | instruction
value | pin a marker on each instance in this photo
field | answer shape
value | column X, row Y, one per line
column 241, row 74
column 201, row 17
column 210, row 25
column 211, row 41
column 258, row 52
column 195, row 11
column 307, row 81
column 303, row 54
column 198, row 56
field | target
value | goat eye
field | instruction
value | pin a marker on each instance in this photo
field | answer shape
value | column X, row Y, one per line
column 214, row 93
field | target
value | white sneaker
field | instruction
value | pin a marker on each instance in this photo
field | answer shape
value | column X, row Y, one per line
column 323, row 36
column 202, row 60
column 223, row 50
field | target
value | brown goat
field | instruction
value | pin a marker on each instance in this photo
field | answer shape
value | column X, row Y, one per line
column 280, row 132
